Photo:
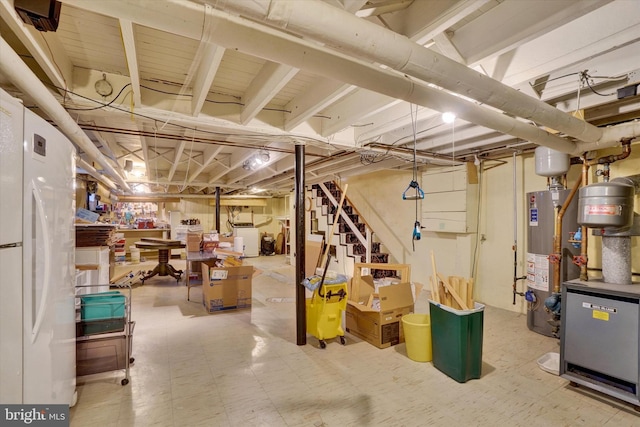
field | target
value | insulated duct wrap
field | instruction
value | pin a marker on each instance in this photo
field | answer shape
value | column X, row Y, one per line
column 616, row 260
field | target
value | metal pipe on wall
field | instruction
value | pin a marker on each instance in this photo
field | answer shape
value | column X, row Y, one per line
column 515, row 233
column 299, row 191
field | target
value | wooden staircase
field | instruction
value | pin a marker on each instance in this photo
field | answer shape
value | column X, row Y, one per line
column 354, row 233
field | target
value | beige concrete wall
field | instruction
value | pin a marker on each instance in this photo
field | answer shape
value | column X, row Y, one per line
column 378, row 197
column 264, row 217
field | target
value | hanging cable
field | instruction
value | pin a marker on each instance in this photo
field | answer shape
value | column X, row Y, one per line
column 414, row 182
column 186, row 174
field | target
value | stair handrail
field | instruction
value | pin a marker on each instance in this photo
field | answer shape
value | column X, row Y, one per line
column 365, row 241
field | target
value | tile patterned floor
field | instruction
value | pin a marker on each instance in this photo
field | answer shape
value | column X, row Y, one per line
column 244, row 369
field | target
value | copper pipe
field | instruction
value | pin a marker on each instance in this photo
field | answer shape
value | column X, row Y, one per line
column 626, row 151
column 557, row 238
column 584, row 229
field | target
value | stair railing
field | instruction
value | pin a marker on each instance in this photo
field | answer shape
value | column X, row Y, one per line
column 365, row 239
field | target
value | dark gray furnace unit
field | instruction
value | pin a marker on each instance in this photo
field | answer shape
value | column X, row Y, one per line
column 600, row 333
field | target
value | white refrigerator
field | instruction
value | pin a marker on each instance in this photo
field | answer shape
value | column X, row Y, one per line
column 37, row 266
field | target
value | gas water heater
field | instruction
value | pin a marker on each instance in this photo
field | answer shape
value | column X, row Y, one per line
column 543, row 206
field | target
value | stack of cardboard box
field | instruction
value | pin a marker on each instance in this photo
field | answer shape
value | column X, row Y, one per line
column 225, row 288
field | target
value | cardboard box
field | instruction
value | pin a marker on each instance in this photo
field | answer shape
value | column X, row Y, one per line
column 193, row 242
column 195, row 237
column 227, row 288
column 208, row 246
column 377, row 317
column 313, row 247
column 381, row 328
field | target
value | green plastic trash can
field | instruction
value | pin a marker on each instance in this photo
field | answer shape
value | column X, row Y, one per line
column 456, row 339
column 417, row 336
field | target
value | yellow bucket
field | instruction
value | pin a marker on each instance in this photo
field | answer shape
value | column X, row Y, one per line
column 417, row 336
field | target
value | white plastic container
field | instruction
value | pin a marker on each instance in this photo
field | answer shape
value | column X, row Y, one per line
column 550, row 362
column 135, row 254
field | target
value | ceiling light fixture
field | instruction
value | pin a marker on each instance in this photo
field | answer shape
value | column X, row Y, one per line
column 448, row 117
column 256, row 161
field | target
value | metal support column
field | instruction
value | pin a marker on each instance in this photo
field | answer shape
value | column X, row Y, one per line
column 301, row 320
column 218, row 210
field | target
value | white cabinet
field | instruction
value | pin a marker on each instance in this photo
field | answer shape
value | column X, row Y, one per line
column 450, row 199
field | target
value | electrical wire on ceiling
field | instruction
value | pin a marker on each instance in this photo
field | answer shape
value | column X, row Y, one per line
column 101, row 106
column 53, row 58
column 211, row 101
column 382, row 156
column 186, row 174
column 261, row 138
column 427, row 128
column 588, row 80
column 413, row 185
column 585, row 79
column 155, row 148
column 205, row 40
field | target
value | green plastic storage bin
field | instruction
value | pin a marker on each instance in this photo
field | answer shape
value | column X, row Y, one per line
column 103, row 305
column 456, row 338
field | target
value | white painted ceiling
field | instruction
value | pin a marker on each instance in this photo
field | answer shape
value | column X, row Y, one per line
column 201, row 87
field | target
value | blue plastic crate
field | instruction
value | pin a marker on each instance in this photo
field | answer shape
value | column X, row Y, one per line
column 103, row 305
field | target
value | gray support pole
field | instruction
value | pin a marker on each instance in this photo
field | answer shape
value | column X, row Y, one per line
column 301, row 320
column 218, row 210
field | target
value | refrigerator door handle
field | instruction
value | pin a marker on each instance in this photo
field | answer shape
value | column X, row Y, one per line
column 39, row 215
